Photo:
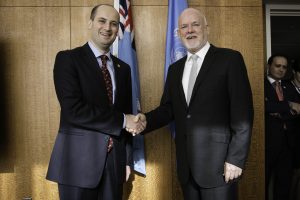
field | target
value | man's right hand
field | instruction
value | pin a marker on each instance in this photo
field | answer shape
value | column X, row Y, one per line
column 135, row 124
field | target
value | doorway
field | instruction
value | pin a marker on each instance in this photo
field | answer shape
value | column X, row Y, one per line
column 282, row 31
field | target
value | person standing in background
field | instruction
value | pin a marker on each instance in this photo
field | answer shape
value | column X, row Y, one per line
column 92, row 154
column 280, row 109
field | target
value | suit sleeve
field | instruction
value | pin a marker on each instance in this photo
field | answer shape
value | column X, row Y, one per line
column 75, row 109
column 272, row 105
column 241, row 111
column 277, row 106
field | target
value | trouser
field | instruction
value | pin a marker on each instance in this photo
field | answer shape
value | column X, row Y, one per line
column 192, row 191
column 279, row 169
column 108, row 188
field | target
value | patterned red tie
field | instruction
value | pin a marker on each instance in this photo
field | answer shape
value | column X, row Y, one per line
column 108, row 85
column 278, row 90
column 107, row 78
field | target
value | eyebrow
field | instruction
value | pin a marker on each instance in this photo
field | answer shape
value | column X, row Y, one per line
column 98, row 18
column 279, row 65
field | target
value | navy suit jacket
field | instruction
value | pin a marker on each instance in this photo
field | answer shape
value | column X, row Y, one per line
column 216, row 126
column 87, row 120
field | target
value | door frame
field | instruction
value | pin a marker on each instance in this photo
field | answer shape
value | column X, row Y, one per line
column 277, row 10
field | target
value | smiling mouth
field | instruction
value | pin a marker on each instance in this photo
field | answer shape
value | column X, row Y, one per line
column 105, row 34
column 190, row 37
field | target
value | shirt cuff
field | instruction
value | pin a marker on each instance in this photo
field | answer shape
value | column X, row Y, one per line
column 124, row 121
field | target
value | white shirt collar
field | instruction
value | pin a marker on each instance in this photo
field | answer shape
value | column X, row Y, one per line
column 96, row 51
column 201, row 53
column 271, row 80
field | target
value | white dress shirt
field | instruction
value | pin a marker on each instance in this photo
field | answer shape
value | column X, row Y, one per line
column 189, row 63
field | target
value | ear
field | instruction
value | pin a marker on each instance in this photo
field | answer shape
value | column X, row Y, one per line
column 178, row 32
column 208, row 29
column 90, row 24
column 268, row 69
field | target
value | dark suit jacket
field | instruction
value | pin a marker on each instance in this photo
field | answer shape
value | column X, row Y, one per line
column 276, row 137
column 216, row 126
column 87, row 120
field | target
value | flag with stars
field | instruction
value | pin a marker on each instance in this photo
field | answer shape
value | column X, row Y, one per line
column 124, row 49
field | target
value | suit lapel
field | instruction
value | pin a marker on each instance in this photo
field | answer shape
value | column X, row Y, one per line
column 204, row 69
column 180, row 65
column 117, row 76
column 91, row 62
column 284, row 90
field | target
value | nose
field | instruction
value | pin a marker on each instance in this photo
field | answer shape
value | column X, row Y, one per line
column 107, row 26
column 282, row 68
column 190, row 28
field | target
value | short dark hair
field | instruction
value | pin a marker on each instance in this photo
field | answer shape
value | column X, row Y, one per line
column 270, row 60
column 296, row 66
column 94, row 10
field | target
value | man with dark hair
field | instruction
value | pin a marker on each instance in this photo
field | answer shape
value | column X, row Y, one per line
column 91, row 157
column 280, row 107
column 271, row 59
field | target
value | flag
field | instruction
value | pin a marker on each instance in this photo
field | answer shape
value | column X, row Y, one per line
column 174, row 49
column 124, row 48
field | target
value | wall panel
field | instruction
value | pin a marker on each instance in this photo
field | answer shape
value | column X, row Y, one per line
column 28, row 44
column 79, row 25
column 133, row 2
column 31, row 43
column 90, row 2
column 35, row 3
column 231, row 3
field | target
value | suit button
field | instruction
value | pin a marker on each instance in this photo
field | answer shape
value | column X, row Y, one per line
column 188, row 116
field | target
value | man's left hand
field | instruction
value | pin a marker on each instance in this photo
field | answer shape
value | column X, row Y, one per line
column 231, row 172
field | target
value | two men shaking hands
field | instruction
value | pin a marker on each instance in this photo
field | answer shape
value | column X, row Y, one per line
column 135, row 124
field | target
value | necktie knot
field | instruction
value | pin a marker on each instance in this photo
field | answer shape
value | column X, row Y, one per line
column 104, row 59
column 278, row 90
column 195, row 57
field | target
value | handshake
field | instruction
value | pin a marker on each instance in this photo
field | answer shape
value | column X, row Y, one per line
column 135, row 124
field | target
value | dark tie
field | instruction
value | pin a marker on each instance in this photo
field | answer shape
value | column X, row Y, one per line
column 108, row 85
column 278, row 90
column 107, row 78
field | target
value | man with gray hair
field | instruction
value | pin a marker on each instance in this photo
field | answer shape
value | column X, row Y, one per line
column 208, row 95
